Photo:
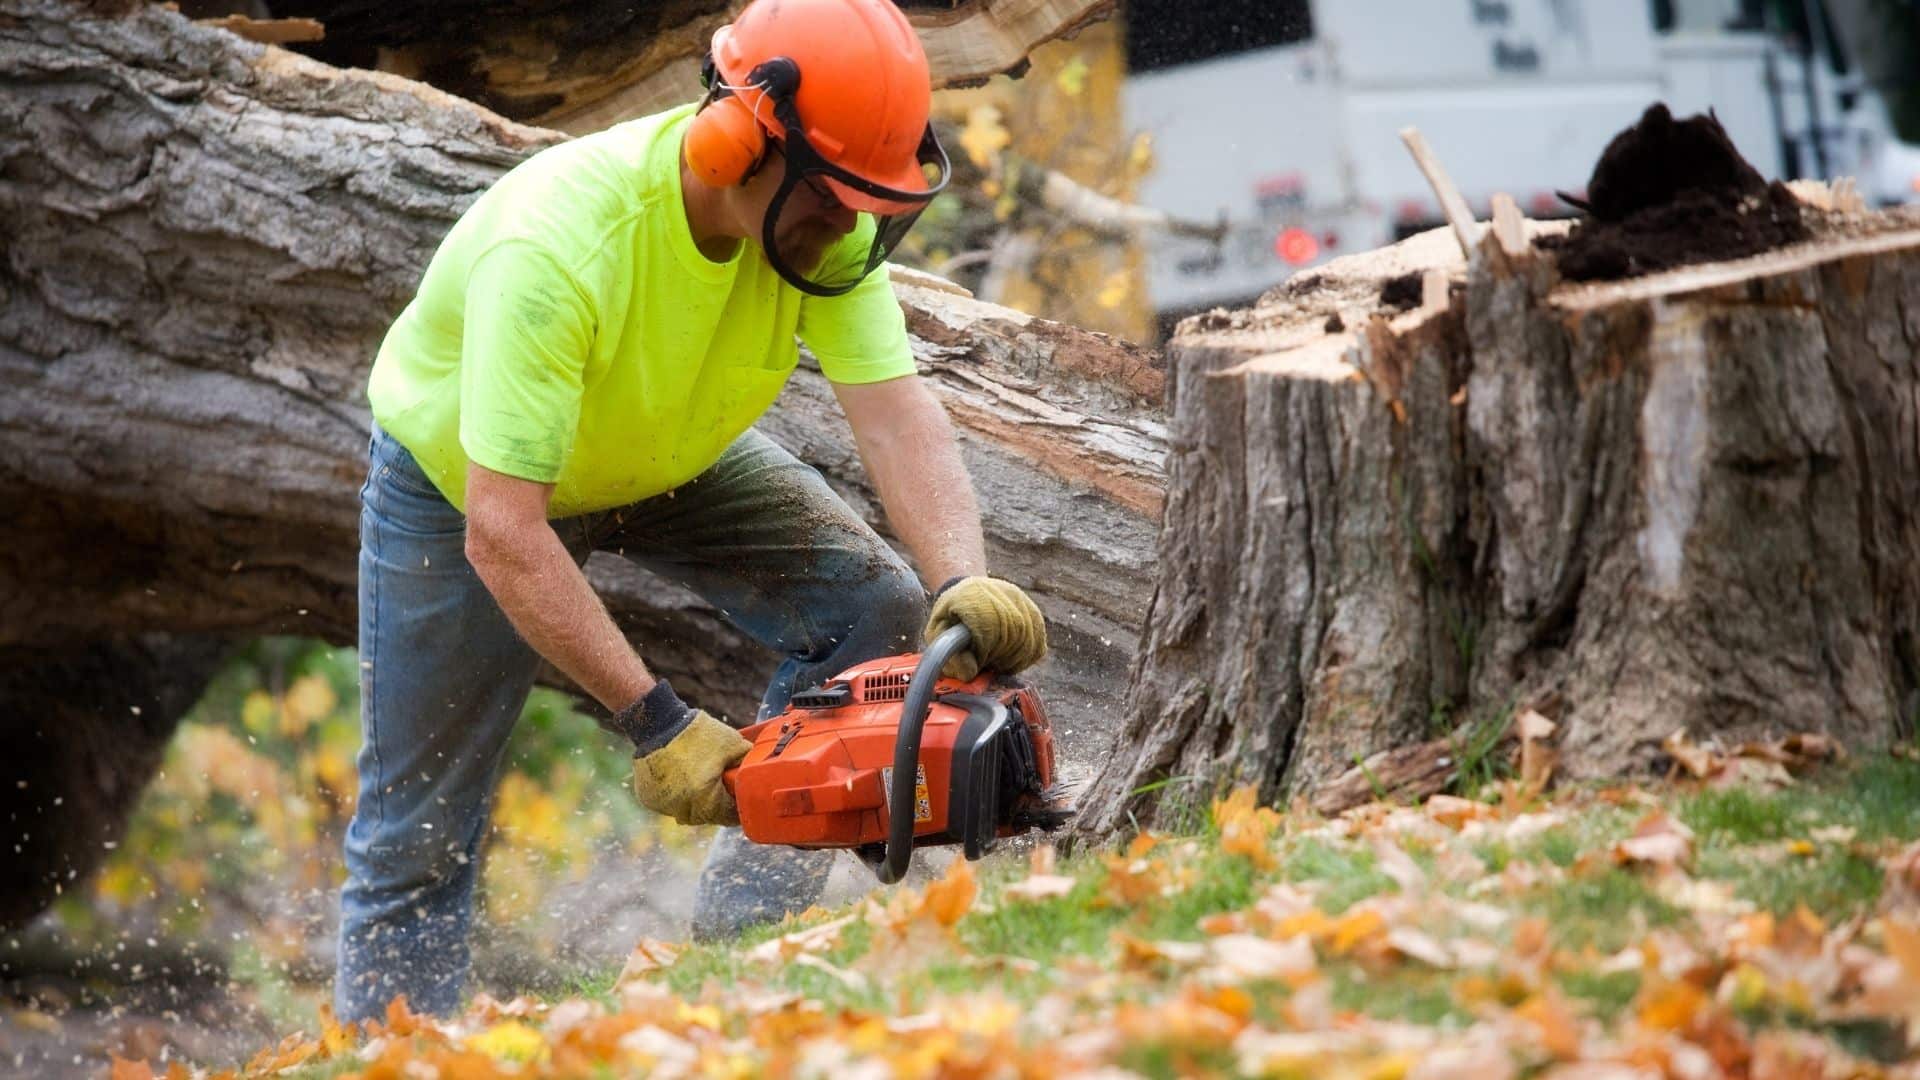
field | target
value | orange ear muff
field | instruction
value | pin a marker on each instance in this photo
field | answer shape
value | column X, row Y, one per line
column 724, row 142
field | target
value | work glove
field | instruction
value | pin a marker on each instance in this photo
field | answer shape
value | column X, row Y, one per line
column 1009, row 633
column 679, row 754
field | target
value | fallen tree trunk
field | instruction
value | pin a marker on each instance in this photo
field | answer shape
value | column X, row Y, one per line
column 1683, row 501
column 579, row 65
column 188, row 321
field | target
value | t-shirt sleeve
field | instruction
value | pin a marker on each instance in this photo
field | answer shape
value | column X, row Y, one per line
column 527, row 331
column 859, row 336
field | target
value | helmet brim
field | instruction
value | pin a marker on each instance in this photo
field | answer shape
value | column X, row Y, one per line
column 909, row 180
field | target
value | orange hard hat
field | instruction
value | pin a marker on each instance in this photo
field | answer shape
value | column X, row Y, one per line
column 864, row 90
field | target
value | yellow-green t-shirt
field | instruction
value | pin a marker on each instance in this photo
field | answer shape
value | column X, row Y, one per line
column 568, row 332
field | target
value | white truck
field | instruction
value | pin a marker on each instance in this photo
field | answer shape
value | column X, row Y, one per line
column 1296, row 146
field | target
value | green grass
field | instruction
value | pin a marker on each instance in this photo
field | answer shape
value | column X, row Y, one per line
column 1224, row 883
column 1607, row 994
column 1835, row 882
column 1412, row 993
column 1344, row 876
column 1168, row 1059
column 1605, row 909
column 1592, row 907
column 1043, row 930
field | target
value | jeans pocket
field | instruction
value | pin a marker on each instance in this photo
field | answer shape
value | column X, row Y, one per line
column 396, row 467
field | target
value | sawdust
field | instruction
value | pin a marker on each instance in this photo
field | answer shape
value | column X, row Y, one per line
column 1669, row 193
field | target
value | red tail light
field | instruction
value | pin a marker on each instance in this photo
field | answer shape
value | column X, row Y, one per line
column 1297, row 246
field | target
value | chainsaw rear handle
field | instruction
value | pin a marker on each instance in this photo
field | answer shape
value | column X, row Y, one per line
column 902, row 796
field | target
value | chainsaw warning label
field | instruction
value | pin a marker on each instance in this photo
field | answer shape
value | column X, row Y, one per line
column 922, row 804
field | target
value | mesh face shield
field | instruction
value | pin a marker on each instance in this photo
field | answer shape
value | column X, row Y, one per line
column 813, row 235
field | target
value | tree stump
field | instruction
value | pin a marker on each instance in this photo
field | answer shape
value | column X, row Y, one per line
column 1688, row 501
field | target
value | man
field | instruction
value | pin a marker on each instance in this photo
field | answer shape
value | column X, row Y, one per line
column 579, row 371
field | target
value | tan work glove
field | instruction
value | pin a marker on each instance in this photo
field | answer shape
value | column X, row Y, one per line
column 682, row 778
column 1009, row 633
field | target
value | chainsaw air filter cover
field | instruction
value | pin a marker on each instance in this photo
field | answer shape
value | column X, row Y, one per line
column 819, row 774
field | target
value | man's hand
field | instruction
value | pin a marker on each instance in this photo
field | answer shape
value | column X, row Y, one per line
column 682, row 778
column 1009, row 633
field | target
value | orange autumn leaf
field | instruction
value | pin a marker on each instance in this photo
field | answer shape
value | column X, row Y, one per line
column 649, row 955
column 401, row 1020
column 1559, row 1030
column 295, row 1049
column 122, row 1069
column 1247, row 828
column 335, row 1038
column 1129, row 881
column 948, row 899
column 1670, row 1006
column 1356, row 926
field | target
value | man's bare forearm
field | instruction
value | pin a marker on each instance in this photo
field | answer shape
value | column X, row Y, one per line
column 548, row 600
column 915, row 466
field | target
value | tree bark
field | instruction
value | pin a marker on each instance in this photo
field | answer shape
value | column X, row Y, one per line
column 1684, row 501
column 580, row 65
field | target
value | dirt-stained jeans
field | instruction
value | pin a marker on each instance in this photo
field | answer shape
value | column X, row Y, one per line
column 443, row 676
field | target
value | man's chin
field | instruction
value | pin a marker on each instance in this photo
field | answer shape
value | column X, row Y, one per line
column 804, row 260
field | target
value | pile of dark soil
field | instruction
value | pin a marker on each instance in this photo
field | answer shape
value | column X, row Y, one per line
column 1402, row 293
column 1670, row 193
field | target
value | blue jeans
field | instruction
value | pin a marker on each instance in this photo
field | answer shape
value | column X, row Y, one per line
column 443, row 677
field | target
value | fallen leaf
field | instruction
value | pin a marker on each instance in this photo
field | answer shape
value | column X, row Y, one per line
column 509, row 1040
column 1559, row 1029
column 852, row 980
column 1040, row 887
column 1042, row 859
column 1901, row 892
column 1247, row 956
column 122, row 1069
column 1658, row 840
column 1698, row 761
column 813, row 939
column 1139, row 954
column 1476, row 1059
column 648, row 956
column 1415, row 945
column 1537, row 759
column 1394, row 862
column 1455, row 812
column 1247, row 828
column 949, row 899
column 1670, row 1005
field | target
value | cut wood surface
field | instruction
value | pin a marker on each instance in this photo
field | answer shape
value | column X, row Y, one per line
column 1684, row 501
column 207, row 238
column 580, row 65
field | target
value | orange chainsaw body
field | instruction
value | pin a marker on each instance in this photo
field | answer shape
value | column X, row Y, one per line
column 819, row 774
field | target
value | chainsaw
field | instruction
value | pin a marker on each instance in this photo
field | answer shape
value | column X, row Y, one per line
column 889, row 754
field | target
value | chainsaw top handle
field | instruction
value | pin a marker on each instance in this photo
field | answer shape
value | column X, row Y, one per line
column 902, row 798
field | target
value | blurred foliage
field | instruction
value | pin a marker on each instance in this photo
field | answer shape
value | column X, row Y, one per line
column 992, row 233
column 253, row 800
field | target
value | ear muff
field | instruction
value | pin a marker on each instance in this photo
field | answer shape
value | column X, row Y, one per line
column 724, row 142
